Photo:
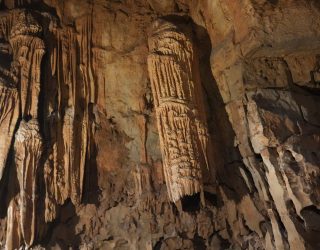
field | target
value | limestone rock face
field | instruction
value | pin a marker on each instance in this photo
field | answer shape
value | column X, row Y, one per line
column 148, row 124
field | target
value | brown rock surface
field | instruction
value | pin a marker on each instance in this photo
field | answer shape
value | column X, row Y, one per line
column 148, row 124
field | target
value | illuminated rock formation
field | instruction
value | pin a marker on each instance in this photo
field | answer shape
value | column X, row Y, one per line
column 177, row 92
column 28, row 150
column 106, row 108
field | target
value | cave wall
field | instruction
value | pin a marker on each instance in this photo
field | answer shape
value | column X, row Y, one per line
column 145, row 124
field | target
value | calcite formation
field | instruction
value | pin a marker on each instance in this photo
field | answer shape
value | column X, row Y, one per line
column 176, row 87
column 21, row 91
column 8, row 117
column 149, row 124
column 28, row 148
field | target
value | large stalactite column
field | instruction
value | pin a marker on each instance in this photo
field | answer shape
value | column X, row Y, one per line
column 176, row 87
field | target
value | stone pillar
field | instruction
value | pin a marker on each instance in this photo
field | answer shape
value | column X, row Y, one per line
column 178, row 103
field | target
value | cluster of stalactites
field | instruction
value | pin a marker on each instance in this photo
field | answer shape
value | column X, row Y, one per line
column 28, row 50
column 71, row 66
column 22, row 32
column 19, row 95
column 20, row 81
column 177, row 93
column 71, row 48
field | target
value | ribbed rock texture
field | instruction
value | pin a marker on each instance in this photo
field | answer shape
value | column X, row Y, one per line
column 148, row 124
column 177, row 97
